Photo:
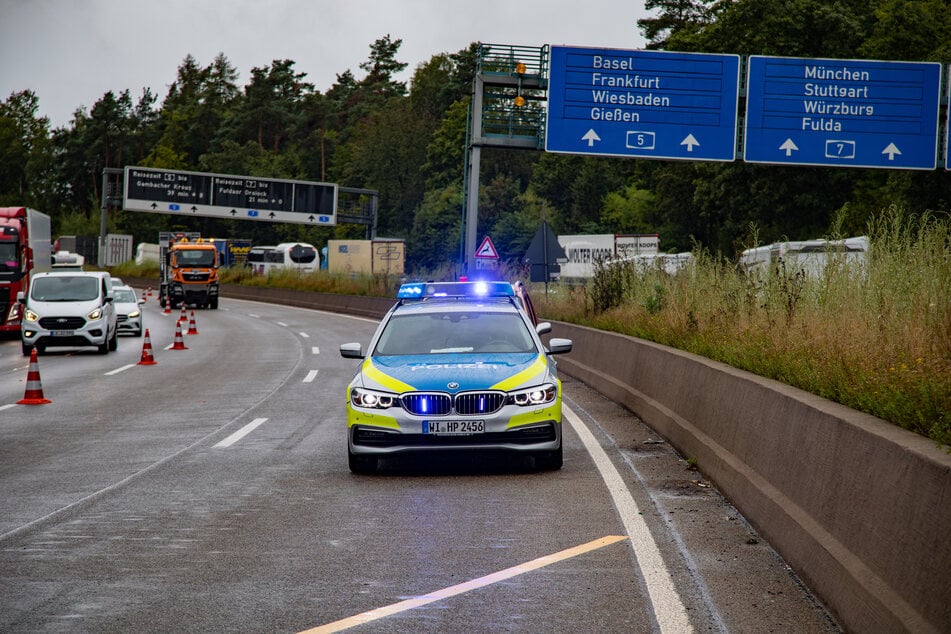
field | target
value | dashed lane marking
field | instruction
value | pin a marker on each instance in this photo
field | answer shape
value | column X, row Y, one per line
column 241, row 433
column 122, row 369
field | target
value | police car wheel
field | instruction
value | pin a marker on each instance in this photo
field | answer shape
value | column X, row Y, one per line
column 361, row 464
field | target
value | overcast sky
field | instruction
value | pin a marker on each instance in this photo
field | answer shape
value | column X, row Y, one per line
column 70, row 52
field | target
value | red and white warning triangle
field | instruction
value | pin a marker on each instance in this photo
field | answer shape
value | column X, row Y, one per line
column 487, row 250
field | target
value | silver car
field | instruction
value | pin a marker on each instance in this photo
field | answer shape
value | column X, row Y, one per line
column 128, row 310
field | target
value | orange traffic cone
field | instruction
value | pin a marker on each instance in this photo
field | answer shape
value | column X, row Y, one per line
column 34, row 387
column 179, row 343
column 147, row 358
column 168, row 303
column 192, row 328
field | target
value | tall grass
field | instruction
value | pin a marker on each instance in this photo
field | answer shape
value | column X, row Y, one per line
column 875, row 337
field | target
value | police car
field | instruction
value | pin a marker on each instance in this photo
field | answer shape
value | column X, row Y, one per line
column 455, row 366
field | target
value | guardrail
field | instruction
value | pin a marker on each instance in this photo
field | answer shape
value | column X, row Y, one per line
column 859, row 508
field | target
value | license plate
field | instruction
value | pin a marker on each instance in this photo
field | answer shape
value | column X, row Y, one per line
column 453, row 427
column 63, row 333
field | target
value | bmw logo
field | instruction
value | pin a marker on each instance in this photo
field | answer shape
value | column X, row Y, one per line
column 452, row 385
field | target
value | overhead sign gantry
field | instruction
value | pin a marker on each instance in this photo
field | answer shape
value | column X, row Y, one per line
column 229, row 196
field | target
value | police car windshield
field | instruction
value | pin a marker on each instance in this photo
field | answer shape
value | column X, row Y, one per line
column 455, row 332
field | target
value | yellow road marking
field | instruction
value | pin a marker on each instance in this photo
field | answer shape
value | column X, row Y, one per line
column 508, row 573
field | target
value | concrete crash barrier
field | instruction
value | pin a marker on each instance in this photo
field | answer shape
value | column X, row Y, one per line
column 371, row 307
column 859, row 508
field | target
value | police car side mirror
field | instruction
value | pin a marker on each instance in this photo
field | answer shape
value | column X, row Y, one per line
column 21, row 298
column 543, row 328
column 351, row 351
column 559, row 346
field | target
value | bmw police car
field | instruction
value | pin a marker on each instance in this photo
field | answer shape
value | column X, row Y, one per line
column 455, row 366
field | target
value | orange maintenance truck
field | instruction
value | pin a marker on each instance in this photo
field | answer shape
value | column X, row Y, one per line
column 188, row 267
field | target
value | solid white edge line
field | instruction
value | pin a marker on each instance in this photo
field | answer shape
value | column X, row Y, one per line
column 241, row 433
column 669, row 610
column 310, row 376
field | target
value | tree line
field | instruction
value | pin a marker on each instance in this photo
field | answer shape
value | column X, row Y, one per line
column 408, row 141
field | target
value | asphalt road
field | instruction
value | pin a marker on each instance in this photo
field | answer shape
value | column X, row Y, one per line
column 210, row 492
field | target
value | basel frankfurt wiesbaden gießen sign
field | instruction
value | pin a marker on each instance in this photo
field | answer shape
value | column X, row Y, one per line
column 646, row 104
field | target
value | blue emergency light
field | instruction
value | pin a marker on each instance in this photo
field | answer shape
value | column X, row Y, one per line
column 472, row 290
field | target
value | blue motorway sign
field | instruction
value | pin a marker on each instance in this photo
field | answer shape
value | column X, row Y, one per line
column 850, row 113
column 646, row 104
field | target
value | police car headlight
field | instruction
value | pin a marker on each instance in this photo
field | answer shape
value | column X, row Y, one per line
column 370, row 399
column 134, row 314
column 29, row 315
column 94, row 315
column 539, row 395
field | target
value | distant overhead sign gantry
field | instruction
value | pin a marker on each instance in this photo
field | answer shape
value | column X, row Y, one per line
column 229, row 196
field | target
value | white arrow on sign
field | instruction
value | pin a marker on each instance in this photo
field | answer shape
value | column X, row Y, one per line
column 690, row 142
column 891, row 150
column 591, row 136
column 789, row 146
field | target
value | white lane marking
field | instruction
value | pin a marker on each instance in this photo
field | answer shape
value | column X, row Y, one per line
column 315, row 350
column 253, row 315
column 310, row 376
column 8, row 406
column 304, row 335
column 281, row 323
column 241, row 433
column 669, row 610
column 439, row 595
column 122, row 369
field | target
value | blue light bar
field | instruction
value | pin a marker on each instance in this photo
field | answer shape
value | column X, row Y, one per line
column 472, row 290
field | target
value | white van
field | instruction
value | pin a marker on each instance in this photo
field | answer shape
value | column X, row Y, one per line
column 69, row 308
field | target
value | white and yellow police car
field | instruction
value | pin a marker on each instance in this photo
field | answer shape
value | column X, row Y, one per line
column 455, row 366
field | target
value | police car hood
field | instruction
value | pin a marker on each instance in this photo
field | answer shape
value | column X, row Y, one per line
column 436, row 372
